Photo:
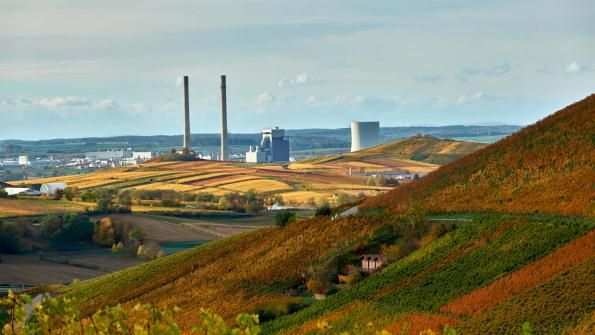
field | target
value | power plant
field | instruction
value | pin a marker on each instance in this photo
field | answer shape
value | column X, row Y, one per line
column 274, row 148
column 224, row 146
column 364, row 135
column 186, row 145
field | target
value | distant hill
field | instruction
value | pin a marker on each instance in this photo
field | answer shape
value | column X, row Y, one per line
column 417, row 154
column 491, row 274
column 546, row 167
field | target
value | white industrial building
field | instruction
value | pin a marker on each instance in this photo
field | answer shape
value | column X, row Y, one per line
column 143, row 155
column 364, row 135
column 273, row 148
column 110, row 155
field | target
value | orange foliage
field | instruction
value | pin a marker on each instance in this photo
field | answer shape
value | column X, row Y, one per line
column 546, row 167
column 526, row 278
column 416, row 323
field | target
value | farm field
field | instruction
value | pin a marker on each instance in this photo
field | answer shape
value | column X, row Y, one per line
column 321, row 178
column 36, row 206
column 172, row 234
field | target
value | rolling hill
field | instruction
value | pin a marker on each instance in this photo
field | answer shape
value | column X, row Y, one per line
column 409, row 154
column 527, row 259
column 545, row 168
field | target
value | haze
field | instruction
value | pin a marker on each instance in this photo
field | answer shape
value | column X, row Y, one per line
column 90, row 68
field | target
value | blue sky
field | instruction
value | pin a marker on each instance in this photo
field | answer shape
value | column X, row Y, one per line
column 101, row 68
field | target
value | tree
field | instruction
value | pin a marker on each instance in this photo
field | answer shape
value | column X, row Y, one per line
column 70, row 193
column 125, row 198
column 58, row 194
column 67, row 230
column 342, row 199
column 10, row 236
column 104, row 200
column 150, row 251
column 136, row 234
column 283, row 218
column 324, row 210
column 224, row 204
column 3, row 193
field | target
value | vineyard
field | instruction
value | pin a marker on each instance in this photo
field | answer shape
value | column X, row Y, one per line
column 496, row 242
column 546, row 167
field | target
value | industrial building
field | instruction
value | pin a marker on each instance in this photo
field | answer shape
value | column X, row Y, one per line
column 109, row 155
column 364, row 135
column 274, row 148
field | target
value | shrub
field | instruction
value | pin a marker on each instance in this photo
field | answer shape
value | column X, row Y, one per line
column 3, row 193
column 109, row 231
column 10, row 236
column 283, row 218
column 58, row 194
column 150, row 251
column 324, row 210
column 67, row 230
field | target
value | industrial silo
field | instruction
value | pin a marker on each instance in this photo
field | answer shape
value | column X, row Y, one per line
column 364, row 135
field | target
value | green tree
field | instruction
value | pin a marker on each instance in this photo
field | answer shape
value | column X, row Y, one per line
column 10, row 236
column 283, row 218
column 3, row 193
column 136, row 234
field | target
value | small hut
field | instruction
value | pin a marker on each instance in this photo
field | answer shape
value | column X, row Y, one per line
column 50, row 188
column 372, row 262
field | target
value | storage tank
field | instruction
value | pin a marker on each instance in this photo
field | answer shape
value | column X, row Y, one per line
column 364, row 135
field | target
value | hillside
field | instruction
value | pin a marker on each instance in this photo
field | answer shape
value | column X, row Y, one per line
column 489, row 275
column 546, row 168
column 417, row 154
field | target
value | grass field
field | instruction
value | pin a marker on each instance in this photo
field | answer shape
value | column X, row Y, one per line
column 36, row 206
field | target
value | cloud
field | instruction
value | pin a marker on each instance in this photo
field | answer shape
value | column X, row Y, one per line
column 107, row 104
column 575, row 68
column 299, row 80
column 464, row 99
column 267, row 98
column 432, row 79
column 69, row 101
column 495, row 70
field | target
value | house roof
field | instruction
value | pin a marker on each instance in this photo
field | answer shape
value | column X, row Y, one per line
column 372, row 257
column 4, row 185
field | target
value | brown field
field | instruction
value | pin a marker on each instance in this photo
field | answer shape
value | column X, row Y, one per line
column 27, row 269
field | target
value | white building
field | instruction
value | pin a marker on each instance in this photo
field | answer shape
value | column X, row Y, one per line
column 143, row 155
column 21, row 191
column 23, row 160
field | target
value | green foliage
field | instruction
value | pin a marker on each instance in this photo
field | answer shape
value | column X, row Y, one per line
column 3, row 193
column 63, row 231
column 70, row 193
column 136, row 234
column 10, row 235
column 58, row 194
column 324, row 210
column 283, row 218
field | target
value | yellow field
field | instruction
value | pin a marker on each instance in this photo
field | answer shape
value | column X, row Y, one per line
column 346, row 187
column 259, row 185
column 167, row 186
column 36, row 206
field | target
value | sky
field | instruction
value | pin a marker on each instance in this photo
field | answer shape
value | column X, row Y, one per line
column 102, row 68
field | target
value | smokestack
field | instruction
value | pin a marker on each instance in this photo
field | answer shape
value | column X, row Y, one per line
column 186, row 116
column 224, row 148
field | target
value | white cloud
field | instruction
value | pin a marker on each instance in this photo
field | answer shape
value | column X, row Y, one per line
column 107, row 104
column 575, row 68
column 69, row 101
column 267, row 98
column 494, row 70
column 299, row 80
column 464, row 99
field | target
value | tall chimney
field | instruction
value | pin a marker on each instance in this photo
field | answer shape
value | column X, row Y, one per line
column 186, row 116
column 224, row 154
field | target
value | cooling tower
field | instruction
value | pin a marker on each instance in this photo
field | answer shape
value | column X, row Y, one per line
column 224, row 148
column 186, row 116
column 364, row 135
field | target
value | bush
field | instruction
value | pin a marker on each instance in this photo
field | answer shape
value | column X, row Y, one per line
column 284, row 218
column 67, row 230
column 150, row 251
column 70, row 193
column 324, row 210
column 10, row 236
column 109, row 231
column 58, row 194
column 3, row 193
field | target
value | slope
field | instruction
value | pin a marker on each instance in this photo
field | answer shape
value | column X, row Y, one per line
column 419, row 148
column 259, row 270
column 546, row 167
